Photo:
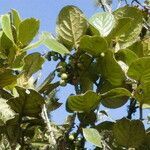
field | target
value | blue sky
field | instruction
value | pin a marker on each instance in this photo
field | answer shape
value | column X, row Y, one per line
column 47, row 11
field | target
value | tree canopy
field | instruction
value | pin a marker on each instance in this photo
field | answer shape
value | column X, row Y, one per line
column 106, row 58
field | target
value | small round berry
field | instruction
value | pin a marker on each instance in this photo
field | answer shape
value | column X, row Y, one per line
column 55, row 58
column 64, row 76
column 62, row 83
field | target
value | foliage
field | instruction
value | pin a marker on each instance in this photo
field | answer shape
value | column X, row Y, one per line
column 106, row 58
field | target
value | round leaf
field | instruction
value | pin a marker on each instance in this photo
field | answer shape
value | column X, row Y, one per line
column 71, row 26
column 33, row 63
column 28, row 29
column 103, row 22
column 108, row 67
column 130, row 29
column 129, row 134
column 92, row 136
column 115, row 98
column 84, row 102
column 139, row 70
column 94, row 45
column 126, row 55
column 142, row 93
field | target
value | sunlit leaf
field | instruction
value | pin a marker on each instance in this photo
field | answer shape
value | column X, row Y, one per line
column 92, row 136
column 126, row 55
column 94, row 45
column 6, row 26
column 103, row 22
column 110, row 69
column 84, row 102
column 33, row 63
column 6, row 113
column 50, row 42
column 28, row 29
column 16, row 18
column 71, row 26
column 139, row 70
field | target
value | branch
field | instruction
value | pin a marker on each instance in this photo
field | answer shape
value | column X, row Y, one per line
column 141, row 112
column 48, row 123
column 132, row 108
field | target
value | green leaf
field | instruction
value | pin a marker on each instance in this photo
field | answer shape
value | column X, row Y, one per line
column 71, row 26
column 33, row 63
column 146, row 46
column 146, row 144
column 139, row 70
column 137, row 48
column 5, row 94
column 6, row 113
column 94, row 45
column 7, row 77
column 128, row 30
column 92, row 136
column 18, row 61
column 110, row 70
column 126, row 55
column 92, row 30
column 28, row 29
column 106, row 125
column 87, row 118
column 121, row 34
column 115, row 98
column 45, row 83
column 6, row 26
column 28, row 103
column 142, row 93
column 34, row 45
column 53, row 44
column 84, row 102
column 6, row 43
column 103, row 22
column 129, row 134
column 16, row 18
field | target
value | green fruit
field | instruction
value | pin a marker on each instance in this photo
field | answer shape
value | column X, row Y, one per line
column 55, row 58
column 53, row 53
column 62, row 83
column 63, row 64
column 64, row 76
column 71, row 137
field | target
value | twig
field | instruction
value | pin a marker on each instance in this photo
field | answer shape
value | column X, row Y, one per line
column 141, row 112
column 132, row 108
column 49, row 126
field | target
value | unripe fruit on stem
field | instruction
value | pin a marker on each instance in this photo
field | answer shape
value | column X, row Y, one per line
column 71, row 137
column 62, row 83
column 55, row 58
column 53, row 53
column 64, row 76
